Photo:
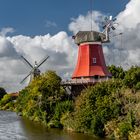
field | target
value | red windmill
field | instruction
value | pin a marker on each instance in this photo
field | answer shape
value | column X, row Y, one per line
column 91, row 67
column 91, row 62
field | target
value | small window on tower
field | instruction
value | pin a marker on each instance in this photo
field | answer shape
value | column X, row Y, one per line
column 94, row 60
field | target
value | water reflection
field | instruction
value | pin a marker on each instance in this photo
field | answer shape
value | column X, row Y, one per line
column 10, row 127
column 37, row 132
column 13, row 127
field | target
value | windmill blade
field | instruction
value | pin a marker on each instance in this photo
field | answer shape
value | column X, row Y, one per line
column 26, row 61
column 109, row 23
column 104, row 26
column 106, row 18
column 113, row 28
column 114, row 19
column 110, row 17
column 42, row 61
column 25, row 78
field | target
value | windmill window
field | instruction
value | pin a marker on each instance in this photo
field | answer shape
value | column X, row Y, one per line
column 94, row 60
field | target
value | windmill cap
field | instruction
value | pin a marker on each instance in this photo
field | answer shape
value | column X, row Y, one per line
column 89, row 36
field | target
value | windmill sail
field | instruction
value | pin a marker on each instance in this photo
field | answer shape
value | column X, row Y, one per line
column 42, row 61
column 26, row 61
column 25, row 78
column 34, row 69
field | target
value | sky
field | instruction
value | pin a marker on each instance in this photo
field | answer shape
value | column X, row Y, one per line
column 37, row 28
column 38, row 17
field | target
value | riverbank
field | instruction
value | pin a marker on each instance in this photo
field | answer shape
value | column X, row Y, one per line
column 108, row 109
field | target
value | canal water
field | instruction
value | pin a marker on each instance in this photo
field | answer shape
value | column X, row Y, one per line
column 13, row 127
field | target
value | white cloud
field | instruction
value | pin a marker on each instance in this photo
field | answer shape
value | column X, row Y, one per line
column 127, row 46
column 129, row 18
column 49, row 24
column 6, row 48
column 86, row 23
column 6, row 30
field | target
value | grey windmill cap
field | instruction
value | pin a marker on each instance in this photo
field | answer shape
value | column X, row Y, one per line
column 89, row 36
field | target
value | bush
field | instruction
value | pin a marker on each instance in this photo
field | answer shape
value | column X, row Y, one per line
column 97, row 126
column 6, row 103
column 61, row 108
column 44, row 100
column 94, row 107
column 137, row 86
column 117, row 72
column 124, row 129
column 132, row 77
column 134, row 135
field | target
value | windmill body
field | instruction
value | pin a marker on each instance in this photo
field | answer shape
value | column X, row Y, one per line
column 36, row 72
column 91, row 63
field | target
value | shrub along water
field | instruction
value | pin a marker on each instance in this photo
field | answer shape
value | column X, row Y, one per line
column 44, row 100
column 94, row 107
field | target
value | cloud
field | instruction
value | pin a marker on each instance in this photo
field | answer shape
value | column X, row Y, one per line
column 6, row 48
column 86, row 23
column 127, row 46
column 129, row 18
column 4, row 31
column 49, row 24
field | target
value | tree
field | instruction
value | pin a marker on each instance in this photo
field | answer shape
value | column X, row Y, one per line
column 132, row 77
column 117, row 72
column 50, row 84
column 2, row 92
column 94, row 107
column 39, row 99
